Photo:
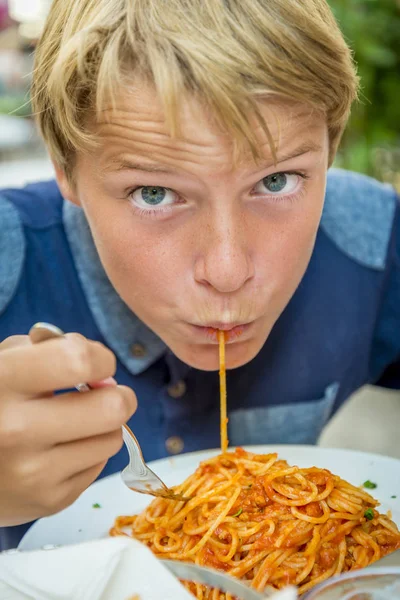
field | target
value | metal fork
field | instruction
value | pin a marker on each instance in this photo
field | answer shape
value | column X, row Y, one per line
column 137, row 476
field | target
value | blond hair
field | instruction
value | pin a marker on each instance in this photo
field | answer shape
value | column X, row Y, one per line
column 226, row 52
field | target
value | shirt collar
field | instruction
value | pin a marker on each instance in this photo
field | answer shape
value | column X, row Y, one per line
column 120, row 327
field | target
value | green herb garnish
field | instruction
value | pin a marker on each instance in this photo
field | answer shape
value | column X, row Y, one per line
column 393, row 496
column 369, row 514
column 96, row 505
column 370, row 485
column 239, row 512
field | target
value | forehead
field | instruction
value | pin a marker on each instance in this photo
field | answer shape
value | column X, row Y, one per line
column 136, row 123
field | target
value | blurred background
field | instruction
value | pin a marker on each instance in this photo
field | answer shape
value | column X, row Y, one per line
column 371, row 145
column 22, row 154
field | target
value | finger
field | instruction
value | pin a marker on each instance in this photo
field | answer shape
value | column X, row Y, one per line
column 74, row 416
column 55, row 364
column 78, row 456
column 72, row 488
column 15, row 341
column 85, row 478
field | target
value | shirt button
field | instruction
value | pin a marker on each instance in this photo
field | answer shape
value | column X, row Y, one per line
column 174, row 444
column 138, row 350
column 177, row 390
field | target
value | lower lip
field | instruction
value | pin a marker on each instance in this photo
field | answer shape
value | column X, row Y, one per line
column 231, row 335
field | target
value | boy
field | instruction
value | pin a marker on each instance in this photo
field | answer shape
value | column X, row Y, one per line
column 191, row 143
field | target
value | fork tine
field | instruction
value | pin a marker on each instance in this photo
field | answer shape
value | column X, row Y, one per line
column 137, row 472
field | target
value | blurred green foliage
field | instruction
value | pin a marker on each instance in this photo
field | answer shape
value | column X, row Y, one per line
column 372, row 141
column 17, row 105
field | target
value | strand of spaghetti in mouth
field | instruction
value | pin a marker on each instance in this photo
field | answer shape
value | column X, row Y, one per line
column 222, row 392
column 263, row 521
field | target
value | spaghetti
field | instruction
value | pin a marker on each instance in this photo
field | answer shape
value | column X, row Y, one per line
column 222, row 392
column 258, row 519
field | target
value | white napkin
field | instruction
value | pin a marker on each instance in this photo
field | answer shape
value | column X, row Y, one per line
column 110, row 569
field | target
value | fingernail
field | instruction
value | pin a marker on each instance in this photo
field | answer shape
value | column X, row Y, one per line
column 109, row 382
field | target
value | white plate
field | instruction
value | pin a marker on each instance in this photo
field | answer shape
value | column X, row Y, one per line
column 81, row 521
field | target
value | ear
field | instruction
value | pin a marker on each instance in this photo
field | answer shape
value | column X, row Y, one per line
column 67, row 187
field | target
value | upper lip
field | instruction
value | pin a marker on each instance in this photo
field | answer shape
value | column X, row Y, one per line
column 222, row 326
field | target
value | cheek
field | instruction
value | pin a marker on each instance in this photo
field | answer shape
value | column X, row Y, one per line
column 140, row 262
column 307, row 218
column 289, row 250
column 300, row 238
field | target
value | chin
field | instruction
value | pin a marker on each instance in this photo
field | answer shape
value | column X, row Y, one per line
column 206, row 357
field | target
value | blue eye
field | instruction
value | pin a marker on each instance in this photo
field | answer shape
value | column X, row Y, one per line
column 153, row 195
column 279, row 184
column 275, row 183
column 149, row 196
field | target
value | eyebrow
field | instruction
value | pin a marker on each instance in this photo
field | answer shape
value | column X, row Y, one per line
column 128, row 165
column 304, row 148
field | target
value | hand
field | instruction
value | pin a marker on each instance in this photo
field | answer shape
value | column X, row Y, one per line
column 53, row 447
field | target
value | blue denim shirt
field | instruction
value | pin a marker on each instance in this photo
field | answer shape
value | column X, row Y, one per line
column 339, row 331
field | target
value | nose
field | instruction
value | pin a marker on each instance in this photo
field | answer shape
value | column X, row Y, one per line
column 225, row 261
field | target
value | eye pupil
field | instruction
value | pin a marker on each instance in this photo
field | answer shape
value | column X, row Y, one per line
column 276, row 182
column 153, row 195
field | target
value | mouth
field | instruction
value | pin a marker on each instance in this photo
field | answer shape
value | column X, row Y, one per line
column 233, row 331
